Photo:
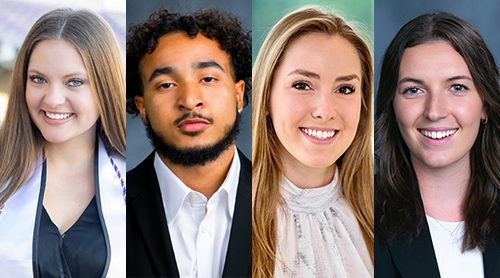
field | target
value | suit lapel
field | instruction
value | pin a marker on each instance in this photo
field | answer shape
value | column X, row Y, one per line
column 151, row 218
column 239, row 253
column 416, row 259
column 491, row 260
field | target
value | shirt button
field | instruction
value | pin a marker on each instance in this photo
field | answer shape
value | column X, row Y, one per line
column 204, row 229
column 194, row 197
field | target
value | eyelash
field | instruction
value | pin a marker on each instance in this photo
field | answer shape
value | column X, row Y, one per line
column 37, row 79
column 463, row 88
column 80, row 82
column 301, row 86
column 40, row 80
column 350, row 88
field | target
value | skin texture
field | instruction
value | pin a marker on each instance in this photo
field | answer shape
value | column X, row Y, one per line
column 316, row 86
column 436, row 92
column 58, row 83
column 187, row 87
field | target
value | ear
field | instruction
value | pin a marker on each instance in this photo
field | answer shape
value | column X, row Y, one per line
column 484, row 115
column 240, row 92
column 139, row 102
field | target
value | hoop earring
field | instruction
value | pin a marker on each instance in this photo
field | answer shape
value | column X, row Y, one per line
column 484, row 121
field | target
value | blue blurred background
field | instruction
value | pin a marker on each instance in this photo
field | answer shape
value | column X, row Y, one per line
column 266, row 13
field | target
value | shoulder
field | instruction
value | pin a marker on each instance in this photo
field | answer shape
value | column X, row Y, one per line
column 140, row 175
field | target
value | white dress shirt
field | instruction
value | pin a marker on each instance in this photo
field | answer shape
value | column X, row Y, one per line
column 199, row 239
column 319, row 236
column 447, row 238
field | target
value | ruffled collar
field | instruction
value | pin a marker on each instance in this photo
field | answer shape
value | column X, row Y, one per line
column 310, row 200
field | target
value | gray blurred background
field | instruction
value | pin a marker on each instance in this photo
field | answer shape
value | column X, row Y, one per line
column 391, row 15
column 138, row 145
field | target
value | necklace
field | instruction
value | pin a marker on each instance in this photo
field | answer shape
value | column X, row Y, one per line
column 452, row 233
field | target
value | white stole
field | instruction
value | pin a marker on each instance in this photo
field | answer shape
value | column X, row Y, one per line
column 17, row 220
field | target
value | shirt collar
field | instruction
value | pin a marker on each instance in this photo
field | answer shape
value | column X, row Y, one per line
column 174, row 192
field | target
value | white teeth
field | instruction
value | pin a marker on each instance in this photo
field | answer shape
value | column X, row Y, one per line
column 438, row 134
column 55, row 116
column 322, row 135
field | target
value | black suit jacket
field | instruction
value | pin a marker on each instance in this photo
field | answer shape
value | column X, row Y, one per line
column 149, row 249
column 417, row 259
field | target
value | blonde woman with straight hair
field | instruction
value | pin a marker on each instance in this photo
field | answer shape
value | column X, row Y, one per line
column 312, row 150
column 62, row 152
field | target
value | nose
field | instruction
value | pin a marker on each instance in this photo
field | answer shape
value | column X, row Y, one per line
column 324, row 109
column 436, row 107
column 54, row 96
column 190, row 97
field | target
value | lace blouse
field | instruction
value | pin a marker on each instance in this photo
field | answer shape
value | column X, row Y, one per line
column 319, row 235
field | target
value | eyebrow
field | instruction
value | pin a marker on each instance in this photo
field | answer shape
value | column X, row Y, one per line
column 459, row 77
column 409, row 79
column 420, row 82
column 305, row 73
column 347, row 78
column 198, row 65
column 311, row 74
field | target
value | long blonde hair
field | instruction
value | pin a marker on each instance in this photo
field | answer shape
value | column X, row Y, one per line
column 356, row 164
column 20, row 140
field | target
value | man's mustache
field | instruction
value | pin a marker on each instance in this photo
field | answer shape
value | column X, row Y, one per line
column 192, row 115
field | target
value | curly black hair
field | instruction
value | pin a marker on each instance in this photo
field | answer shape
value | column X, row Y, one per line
column 223, row 27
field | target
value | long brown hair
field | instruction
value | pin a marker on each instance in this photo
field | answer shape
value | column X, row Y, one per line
column 356, row 164
column 399, row 208
column 20, row 140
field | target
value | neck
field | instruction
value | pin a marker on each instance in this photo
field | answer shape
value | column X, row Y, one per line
column 71, row 155
column 304, row 176
column 205, row 179
column 443, row 189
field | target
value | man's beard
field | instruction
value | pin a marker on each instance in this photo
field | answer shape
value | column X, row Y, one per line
column 196, row 156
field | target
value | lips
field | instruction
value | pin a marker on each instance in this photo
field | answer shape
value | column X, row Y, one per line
column 57, row 116
column 319, row 134
column 192, row 125
column 438, row 134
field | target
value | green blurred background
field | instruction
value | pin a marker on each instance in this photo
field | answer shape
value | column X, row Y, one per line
column 265, row 13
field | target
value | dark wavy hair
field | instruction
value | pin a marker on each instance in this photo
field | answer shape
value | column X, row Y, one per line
column 399, row 208
column 223, row 27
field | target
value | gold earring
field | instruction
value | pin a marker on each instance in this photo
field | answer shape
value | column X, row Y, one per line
column 485, row 121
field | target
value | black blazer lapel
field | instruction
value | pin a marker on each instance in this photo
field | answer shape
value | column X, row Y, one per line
column 491, row 260
column 146, row 208
column 239, row 252
column 416, row 259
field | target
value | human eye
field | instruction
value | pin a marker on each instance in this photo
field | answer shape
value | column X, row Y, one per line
column 459, row 88
column 413, row 91
column 166, row 85
column 301, row 86
column 37, row 79
column 75, row 82
column 346, row 90
column 208, row 79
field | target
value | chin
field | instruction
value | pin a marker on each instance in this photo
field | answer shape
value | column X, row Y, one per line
column 318, row 163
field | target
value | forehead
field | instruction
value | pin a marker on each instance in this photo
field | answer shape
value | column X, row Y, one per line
column 324, row 54
column 56, row 56
column 432, row 60
column 179, row 51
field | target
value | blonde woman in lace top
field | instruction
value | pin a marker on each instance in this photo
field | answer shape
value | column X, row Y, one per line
column 312, row 150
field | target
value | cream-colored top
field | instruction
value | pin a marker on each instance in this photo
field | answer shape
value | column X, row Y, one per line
column 319, row 235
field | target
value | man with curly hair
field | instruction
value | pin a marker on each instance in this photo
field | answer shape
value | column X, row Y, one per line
column 189, row 202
